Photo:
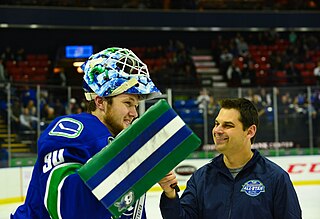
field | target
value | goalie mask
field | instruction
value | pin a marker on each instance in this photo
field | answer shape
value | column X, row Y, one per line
column 114, row 71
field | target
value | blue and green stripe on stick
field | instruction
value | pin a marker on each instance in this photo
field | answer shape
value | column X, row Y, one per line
column 139, row 157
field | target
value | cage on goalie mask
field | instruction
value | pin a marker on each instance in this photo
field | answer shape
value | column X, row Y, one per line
column 114, row 71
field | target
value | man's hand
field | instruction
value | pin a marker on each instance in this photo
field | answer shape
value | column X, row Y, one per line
column 168, row 183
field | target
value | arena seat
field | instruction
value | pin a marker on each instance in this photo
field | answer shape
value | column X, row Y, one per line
column 281, row 78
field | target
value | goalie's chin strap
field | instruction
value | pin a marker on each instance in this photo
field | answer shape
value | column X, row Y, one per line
column 119, row 90
column 90, row 96
column 125, row 86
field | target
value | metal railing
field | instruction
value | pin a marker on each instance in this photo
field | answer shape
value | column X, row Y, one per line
column 290, row 116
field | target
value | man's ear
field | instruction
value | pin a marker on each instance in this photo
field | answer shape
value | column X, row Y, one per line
column 252, row 131
column 99, row 102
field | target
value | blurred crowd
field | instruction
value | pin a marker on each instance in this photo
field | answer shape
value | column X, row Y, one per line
column 178, row 4
column 291, row 108
column 242, row 58
column 268, row 58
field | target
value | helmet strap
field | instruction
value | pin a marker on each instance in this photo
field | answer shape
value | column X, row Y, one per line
column 125, row 86
column 90, row 96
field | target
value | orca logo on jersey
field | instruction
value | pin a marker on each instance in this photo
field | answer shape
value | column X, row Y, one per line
column 67, row 127
column 126, row 201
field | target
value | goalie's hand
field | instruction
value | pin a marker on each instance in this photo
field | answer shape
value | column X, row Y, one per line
column 169, row 185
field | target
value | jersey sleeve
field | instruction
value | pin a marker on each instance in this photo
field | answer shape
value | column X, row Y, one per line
column 64, row 148
column 65, row 194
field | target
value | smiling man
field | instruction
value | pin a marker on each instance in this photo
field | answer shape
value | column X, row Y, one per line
column 240, row 182
column 115, row 80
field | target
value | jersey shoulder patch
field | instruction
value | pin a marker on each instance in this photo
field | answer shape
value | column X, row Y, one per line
column 67, row 127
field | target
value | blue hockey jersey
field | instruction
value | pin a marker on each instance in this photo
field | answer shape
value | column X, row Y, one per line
column 56, row 190
column 260, row 190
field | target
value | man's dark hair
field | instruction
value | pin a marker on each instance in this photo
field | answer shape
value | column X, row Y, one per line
column 248, row 111
column 91, row 105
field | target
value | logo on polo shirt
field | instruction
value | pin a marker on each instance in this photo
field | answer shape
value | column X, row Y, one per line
column 253, row 188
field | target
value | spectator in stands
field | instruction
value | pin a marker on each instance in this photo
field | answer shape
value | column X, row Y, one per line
column 285, row 106
column 233, row 48
column 4, row 156
column 300, row 103
column 293, row 37
column 286, row 112
column 28, row 122
column 249, row 94
column 15, row 115
column 213, row 108
column 277, row 60
column 267, row 37
column 248, row 74
column 256, row 100
column 3, row 77
column 203, row 99
column 63, row 79
column 273, row 36
column 32, row 109
column 59, row 108
column 312, row 42
column 59, row 77
column 315, row 101
column 293, row 74
column 234, row 74
column 73, row 107
column 47, row 113
column 240, row 176
column 265, row 96
column 242, row 46
column 217, row 45
column 20, row 55
column 28, row 93
column 316, row 73
column 7, row 55
column 226, row 58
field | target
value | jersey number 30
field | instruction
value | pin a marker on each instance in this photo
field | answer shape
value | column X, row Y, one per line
column 52, row 159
